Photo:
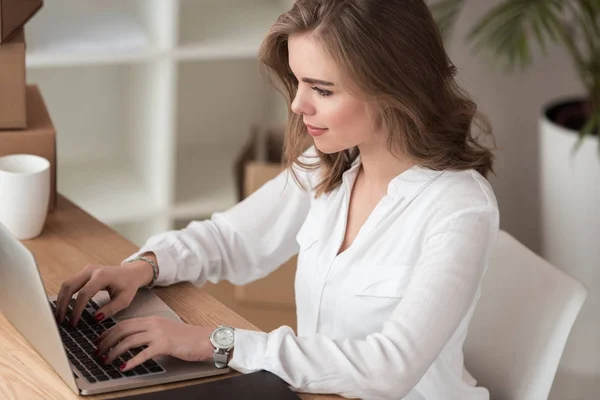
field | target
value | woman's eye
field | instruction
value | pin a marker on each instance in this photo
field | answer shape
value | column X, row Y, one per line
column 321, row 92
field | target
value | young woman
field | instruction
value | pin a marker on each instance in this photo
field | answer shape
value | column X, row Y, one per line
column 384, row 198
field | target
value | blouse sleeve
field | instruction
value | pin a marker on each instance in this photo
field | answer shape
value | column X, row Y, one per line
column 389, row 363
column 242, row 244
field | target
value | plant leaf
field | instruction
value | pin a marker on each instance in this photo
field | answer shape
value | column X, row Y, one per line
column 507, row 29
column 445, row 13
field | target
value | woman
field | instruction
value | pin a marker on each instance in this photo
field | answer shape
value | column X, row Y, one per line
column 388, row 208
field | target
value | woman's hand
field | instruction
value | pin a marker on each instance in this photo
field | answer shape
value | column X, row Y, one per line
column 121, row 282
column 162, row 336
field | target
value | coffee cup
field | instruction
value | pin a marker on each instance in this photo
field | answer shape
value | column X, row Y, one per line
column 24, row 194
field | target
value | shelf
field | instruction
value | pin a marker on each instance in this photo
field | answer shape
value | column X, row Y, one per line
column 74, row 32
column 107, row 129
column 110, row 190
column 232, row 28
column 55, row 59
column 89, row 116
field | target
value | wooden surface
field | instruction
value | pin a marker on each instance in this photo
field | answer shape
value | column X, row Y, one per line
column 71, row 240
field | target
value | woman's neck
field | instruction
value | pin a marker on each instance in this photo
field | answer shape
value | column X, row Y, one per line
column 379, row 166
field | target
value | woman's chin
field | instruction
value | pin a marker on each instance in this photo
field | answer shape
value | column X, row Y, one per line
column 327, row 148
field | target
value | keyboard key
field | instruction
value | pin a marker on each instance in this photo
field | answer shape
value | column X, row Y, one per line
column 114, row 374
column 129, row 373
column 88, row 348
column 89, row 363
column 155, row 369
column 88, row 317
column 102, row 378
column 150, row 363
column 140, row 370
column 108, row 324
column 90, row 379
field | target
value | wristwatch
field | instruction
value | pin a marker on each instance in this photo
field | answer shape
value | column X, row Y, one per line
column 222, row 340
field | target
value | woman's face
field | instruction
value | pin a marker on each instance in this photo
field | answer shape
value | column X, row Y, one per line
column 342, row 120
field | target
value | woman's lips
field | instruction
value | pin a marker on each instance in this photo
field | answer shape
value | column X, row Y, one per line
column 314, row 131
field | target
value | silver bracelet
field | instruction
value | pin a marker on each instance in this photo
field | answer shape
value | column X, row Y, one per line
column 154, row 269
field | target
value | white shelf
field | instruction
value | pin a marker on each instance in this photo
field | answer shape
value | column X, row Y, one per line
column 110, row 190
column 58, row 59
column 232, row 26
column 152, row 101
column 73, row 31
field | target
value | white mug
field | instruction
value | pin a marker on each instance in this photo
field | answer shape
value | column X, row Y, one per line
column 24, row 194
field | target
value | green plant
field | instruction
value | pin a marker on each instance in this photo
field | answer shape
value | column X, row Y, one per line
column 511, row 29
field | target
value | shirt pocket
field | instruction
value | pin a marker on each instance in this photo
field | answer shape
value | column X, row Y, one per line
column 385, row 281
column 371, row 296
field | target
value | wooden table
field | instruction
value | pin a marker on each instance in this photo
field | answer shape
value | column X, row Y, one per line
column 71, row 240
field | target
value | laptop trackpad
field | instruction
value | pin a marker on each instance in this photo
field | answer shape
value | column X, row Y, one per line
column 144, row 304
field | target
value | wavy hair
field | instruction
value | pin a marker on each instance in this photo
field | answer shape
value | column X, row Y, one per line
column 392, row 54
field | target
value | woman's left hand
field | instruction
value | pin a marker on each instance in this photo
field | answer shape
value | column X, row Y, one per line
column 162, row 336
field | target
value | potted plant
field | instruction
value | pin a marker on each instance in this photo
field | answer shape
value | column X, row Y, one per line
column 569, row 151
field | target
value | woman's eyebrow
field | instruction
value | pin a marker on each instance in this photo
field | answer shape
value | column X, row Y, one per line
column 313, row 81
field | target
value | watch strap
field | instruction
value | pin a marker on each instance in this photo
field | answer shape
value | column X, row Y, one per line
column 220, row 357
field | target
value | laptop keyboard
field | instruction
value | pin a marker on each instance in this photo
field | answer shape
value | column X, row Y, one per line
column 79, row 342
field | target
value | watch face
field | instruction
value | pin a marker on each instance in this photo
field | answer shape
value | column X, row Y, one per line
column 223, row 337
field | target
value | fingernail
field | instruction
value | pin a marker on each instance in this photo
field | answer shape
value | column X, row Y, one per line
column 99, row 317
column 122, row 367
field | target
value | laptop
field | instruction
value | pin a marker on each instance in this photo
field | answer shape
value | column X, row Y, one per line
column 70, row 350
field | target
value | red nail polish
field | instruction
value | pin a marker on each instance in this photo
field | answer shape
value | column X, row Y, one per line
column 99, row 317
column 122, row 367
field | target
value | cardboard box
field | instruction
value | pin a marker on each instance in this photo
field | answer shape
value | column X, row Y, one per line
column 259, row 160
column 38, row 139
column 12, row 83
column 277, row 289
column 14, row 14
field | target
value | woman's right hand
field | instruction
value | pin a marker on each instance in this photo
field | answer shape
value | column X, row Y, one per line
column 122, row 283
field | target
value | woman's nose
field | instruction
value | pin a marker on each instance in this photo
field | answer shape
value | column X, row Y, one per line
column 301, row 105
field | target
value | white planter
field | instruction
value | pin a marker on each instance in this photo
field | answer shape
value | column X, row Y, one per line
column 570, row 240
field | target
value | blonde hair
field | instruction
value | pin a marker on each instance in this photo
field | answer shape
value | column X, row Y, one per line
column 391, row 51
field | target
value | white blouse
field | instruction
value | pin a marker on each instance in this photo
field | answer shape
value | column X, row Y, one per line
column 386, row 318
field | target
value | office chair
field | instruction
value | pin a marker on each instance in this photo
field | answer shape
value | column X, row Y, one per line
column 521, row 323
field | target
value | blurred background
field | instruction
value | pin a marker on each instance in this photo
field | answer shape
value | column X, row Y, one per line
column 154, row 102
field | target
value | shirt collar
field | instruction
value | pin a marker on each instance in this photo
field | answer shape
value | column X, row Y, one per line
column 408, row 184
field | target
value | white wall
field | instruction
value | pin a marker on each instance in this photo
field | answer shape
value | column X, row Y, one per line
column 513, row 103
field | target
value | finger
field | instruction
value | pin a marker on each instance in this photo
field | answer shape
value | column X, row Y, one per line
column 96, row 283
column 68, row 289
column 115, row 334
column 130, row 342
column 149, row 353
column 121, row 301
